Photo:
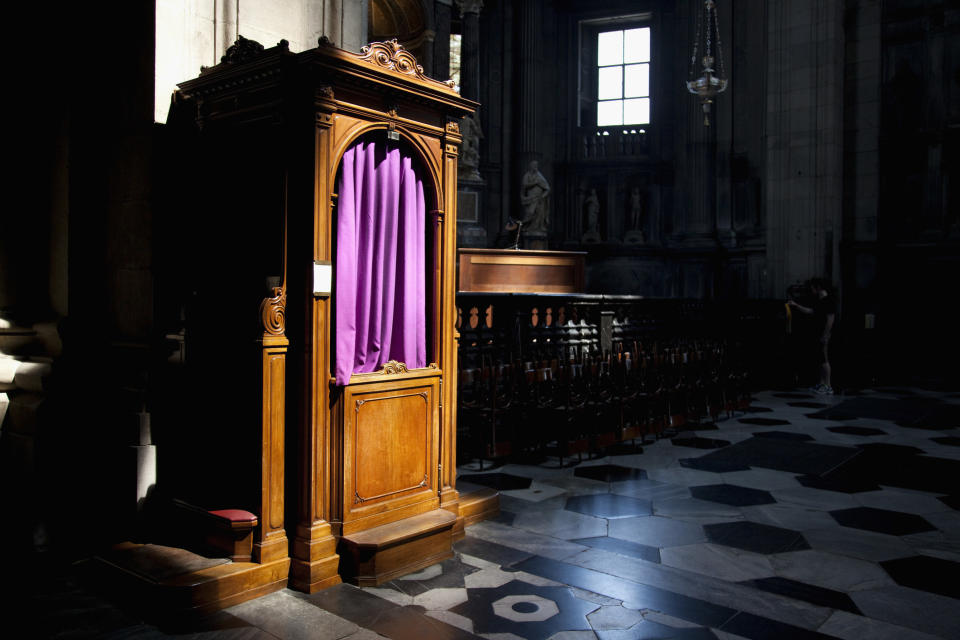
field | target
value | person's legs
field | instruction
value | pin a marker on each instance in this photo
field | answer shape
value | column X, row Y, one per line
column 825, row 372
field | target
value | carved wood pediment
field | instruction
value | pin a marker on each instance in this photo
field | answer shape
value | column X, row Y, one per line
column 391, row 55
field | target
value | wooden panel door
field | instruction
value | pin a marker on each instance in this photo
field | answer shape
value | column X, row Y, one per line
column 391, row 447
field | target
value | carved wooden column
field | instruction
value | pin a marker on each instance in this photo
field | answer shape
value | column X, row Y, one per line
column 271, row 542
column 448, row 335
column 315, row 560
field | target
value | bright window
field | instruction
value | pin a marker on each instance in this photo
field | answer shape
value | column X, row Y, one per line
column 623, row 77
column 455, row 46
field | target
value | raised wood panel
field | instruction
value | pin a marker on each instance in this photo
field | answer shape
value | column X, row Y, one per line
column 505, row 271
column 393, row 437
column 271, row 543
column 277, row 440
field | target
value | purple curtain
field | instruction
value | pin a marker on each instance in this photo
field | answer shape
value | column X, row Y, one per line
column 380, row 263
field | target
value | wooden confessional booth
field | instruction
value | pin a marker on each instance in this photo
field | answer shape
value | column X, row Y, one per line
column 354, row 474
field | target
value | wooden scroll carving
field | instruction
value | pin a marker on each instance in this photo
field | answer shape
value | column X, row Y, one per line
column 273, row 312
column 391, row 55
column 393, row 367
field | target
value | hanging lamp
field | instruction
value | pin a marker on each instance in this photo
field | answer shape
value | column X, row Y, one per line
column 711, row 81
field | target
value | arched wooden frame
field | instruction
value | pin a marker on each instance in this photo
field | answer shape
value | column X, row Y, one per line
column 432, row 181
column 341, row 507
column 361, row 129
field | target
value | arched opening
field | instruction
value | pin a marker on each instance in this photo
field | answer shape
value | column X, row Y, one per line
column 384, row 258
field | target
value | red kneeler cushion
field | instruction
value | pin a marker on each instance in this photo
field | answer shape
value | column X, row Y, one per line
column 234, row 515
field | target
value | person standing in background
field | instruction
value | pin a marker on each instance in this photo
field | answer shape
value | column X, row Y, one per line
column 824, row 310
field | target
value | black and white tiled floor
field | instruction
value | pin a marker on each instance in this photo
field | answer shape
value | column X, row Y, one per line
column 805, row 517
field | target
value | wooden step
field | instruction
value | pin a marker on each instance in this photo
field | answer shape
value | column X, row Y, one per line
column 169, row 581
column 477, row 502
column 380, row 554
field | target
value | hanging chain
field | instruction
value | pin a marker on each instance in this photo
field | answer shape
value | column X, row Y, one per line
column 707, row 6
column 716, row 22
column 696, row 44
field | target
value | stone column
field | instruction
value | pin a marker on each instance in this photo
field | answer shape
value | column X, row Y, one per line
column 426, row 54
column 699, row 226
column 470, row 48
column 722, row 136
column 226, row 24
column 804, row 139
column 441, row 45
column 529, row 22
column 528, row 13
column 470, row 184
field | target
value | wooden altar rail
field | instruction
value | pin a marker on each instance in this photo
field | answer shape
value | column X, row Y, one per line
column 567, row 375
column 503, row 327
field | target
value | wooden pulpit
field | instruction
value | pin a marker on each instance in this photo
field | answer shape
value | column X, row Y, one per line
column 356, row 474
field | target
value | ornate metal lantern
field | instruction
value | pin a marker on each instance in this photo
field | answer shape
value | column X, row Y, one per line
column 710, row 81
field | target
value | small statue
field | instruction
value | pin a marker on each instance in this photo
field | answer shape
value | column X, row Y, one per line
column 592, row 217
column 534, row 190
column 470, row 149
column 635, row 232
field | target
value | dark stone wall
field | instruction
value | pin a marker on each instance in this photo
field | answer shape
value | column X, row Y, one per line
column 665, row 161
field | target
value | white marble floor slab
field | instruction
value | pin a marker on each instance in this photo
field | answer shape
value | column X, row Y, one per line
column 656, row 531
column 718, row 561
column 830, row 570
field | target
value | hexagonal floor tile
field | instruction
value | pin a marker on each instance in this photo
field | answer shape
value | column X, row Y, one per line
column 699, row 443
column 610, row 473
column 952, row 501
column 716, row 466
column 826, row 414
column 885, row 448
column 609, row 505
column 784, row 435
column 858, row 431
column 622, row 547
column 882, row 521
column 752, row 536
column 952, row 441
column 732, row 494
column 767, row 422
column 935, row 575
column 847, row 483
column 805, row 592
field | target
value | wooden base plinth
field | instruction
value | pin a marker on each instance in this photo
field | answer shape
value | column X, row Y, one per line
column 311, row 577
column 166, row 592
column 479, row 504
column 380, row 554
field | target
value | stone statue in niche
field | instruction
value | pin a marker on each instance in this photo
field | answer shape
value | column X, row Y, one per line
column 470, row 149
column 591, row 215
column 534, row 190
column 635, row 229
